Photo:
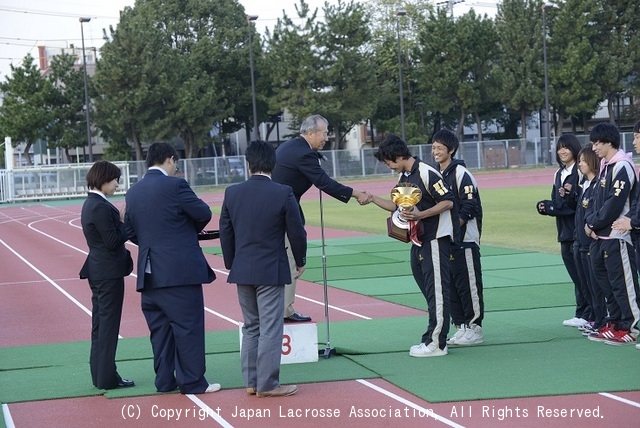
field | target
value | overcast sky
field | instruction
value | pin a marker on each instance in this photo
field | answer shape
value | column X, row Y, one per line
column 25, row 24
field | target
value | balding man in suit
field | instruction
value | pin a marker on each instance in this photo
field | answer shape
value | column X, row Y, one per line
column 298, row 166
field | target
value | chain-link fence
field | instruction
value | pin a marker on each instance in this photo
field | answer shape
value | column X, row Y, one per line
column 65, row 181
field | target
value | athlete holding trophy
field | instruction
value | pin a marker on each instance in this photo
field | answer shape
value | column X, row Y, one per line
column 430, row 212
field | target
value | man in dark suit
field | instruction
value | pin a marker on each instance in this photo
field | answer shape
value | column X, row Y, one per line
column 255, row 216
column 298, row 166
column 164, row 216
column 107, row 263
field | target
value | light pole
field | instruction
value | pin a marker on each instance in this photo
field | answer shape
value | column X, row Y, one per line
column 400, row 13
column 546, row 148
column 255, row 133
column 86, row 88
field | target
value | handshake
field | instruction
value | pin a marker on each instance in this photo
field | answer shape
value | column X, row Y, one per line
column 362, row 196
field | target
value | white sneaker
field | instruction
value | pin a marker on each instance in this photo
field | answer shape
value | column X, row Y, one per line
column 414, row 347
column 637, row 345
column 472, row 336
column 430, row 350
column 213, row 387
column 461, row 330
column 575, row 322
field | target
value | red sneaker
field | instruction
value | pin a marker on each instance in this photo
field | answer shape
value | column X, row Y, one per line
column 621, row 337
column 606, row 332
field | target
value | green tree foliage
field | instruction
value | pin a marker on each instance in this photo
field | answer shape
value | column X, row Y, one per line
column 131, row 83
column 323, row 68
column 68, row 126
column 572, row 60
column 347, row 78
column 192, row 69
column 476, row 38
column 519, row 70
column 455, row 67
column 439, row 63
column 388, row 30
column 180, row 68
column 617, row 44
column 292, row 63
column 26, row 112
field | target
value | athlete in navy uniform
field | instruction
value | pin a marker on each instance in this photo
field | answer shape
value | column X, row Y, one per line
column 431, row 243
column 562, row 206
column 611, row 251
column 467, row 301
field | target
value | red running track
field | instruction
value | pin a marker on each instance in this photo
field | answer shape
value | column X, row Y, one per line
column 42, row 300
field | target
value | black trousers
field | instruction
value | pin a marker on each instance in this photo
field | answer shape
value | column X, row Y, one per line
column 566, row 249
column 467, row 298
column 175, row 316
column 614, row 266
column 106, row 300
column 431, row 268
column 597, row 308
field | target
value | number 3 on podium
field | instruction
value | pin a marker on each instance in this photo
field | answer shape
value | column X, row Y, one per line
column 286, row 344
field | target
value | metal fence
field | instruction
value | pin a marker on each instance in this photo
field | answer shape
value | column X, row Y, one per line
column 68, row 181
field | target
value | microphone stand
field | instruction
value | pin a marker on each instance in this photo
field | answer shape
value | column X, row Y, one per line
column 328, row 351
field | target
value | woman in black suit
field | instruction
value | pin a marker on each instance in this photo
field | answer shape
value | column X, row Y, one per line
column 106, row 266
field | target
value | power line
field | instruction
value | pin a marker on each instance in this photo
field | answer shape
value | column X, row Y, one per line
column 33, row 41
column 51, row 13
column 22, row 39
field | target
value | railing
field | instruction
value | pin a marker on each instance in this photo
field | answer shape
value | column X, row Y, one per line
column 67, row 181
column 50, row 182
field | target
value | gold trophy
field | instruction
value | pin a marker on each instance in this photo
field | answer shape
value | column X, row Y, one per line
column 405, row 196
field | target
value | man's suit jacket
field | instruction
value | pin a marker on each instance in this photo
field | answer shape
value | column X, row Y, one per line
column 255, row 216
column 164, row 217
column 105, row 235
column 298, row 166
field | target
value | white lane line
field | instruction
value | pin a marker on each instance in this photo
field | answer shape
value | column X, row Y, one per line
column 311, row 300
column 219, row 315
column 8, row 420
column 30, row 226
column 209, row 411
column 620, row 399
column 427, row 412
column 49, row 280
column 333, row 307
column 223, row 272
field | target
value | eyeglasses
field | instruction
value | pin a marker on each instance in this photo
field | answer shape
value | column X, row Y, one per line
column 175, row 163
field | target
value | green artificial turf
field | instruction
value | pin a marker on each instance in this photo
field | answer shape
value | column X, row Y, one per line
column 61, row 370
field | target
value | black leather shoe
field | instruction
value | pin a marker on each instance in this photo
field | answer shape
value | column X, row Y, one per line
column 296, row 317
column 125, row 383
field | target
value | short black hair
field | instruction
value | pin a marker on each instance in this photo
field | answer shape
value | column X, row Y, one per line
column 570, row 142
column 159, row 152
column 391, row 149
column 605, row 133
column 447, row 138
column 261, row 157
column 636, row 127
column 100, row 173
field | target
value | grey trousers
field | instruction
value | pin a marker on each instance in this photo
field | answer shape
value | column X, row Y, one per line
column 261, row 335
column 290, row 289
